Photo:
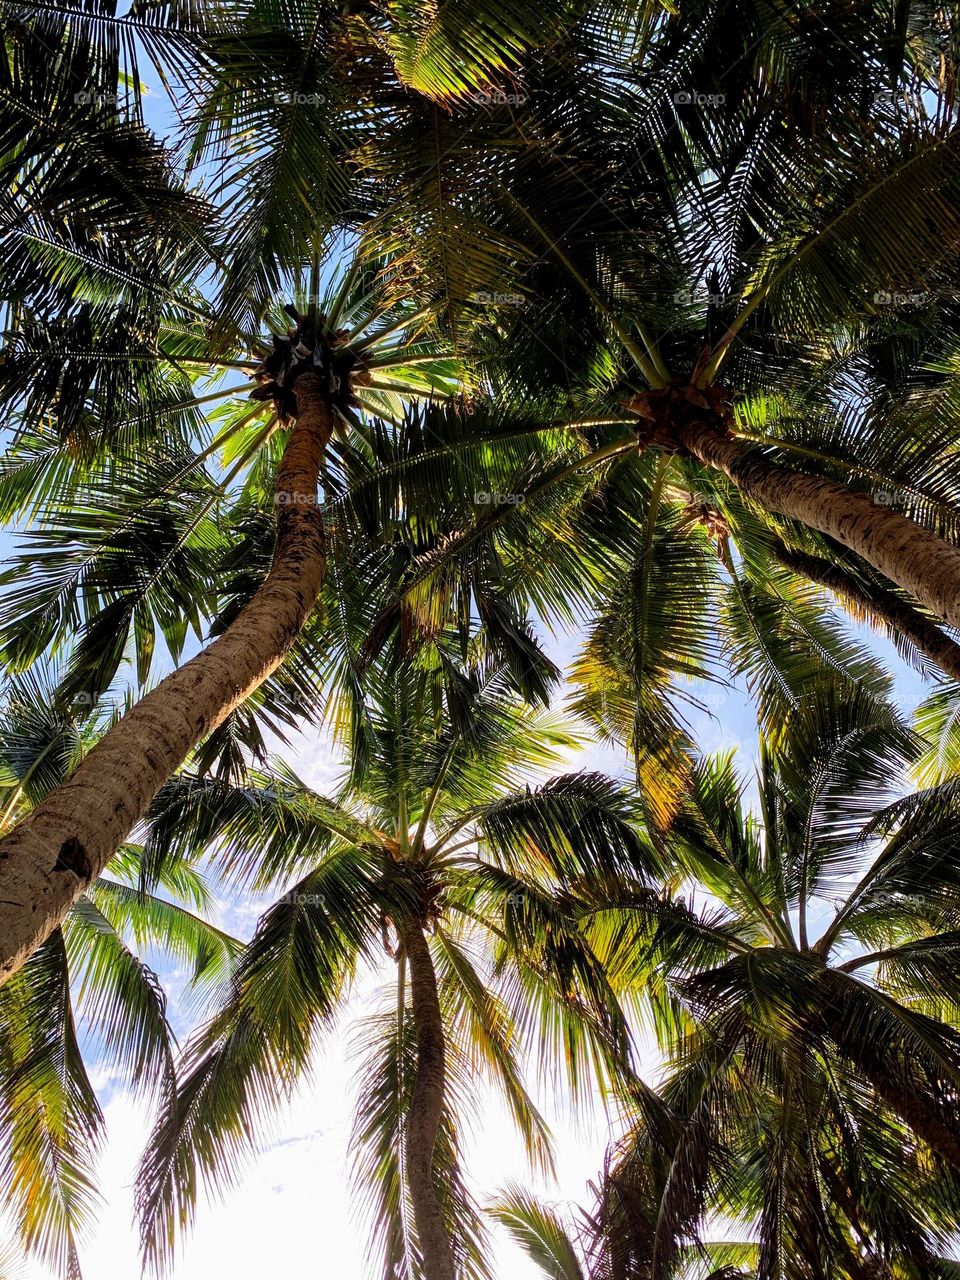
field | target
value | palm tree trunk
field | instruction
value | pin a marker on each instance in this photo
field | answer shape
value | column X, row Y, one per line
column 48, row 860
column 914, row 558
column 885, row 606
column 695, row 422
column 934, row 1125
column 426, row 1108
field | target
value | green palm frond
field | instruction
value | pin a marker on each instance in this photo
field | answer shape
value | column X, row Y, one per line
column 387, row 1052
column 51, row 1122
column 938, row 723
column 490, row 1042
column 539, row 1232
column 119, row 998
column 448, row 52
column 578, row 825
column 241, row 1065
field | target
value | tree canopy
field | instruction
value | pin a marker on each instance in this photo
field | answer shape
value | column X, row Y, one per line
column 348, row 350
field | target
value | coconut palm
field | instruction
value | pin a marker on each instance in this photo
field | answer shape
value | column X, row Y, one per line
column 145, row 550
column 607, row 293
column 431, row 861
column 801, row 970
column 675, row 604
column 598, row 212
column 89, row 992
column 567, row 1247
column 616, row 220
column 86, row 304
column 749, row 313
column 577, row 260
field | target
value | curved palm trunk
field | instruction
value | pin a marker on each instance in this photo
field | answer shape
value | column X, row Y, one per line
column 49, row 859
column 917, row 560
column 940, row 1135
column 925, row 636
column 426, row 1108
column 935, row 1126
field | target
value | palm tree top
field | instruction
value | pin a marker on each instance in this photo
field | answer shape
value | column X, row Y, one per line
column 433, row 835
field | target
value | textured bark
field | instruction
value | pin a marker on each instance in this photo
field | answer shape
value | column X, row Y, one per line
column 696, row 422
column 426, row 1108
column 885, row 606
column 48, row 860
column 917, row 560
column 935, row 1126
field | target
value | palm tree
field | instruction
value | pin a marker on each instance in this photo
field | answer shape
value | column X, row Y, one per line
column 91, row 978
column 610, row 303
column 611, row 225
column 747, row 313
column 86, row 304
column 431, row 858
column 356, row 350
column 577, row 1250
column 673, row 610
column 802, row 972
column 599, row 212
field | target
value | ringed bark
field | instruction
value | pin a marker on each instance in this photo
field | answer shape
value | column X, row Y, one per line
column 426, row 1108
column 49, row 858
column 696, row 422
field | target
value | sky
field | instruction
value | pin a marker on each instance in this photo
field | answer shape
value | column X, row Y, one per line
column 292, row 1212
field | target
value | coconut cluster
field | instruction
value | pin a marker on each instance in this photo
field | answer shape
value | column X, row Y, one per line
column 308, row 347
column 665, row 412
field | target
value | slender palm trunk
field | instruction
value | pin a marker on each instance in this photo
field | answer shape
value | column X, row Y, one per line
column 426, row 1108
column 925, row 636
column 48, row 860
column 923, row 564
column 914, row 558
column 936, row 1126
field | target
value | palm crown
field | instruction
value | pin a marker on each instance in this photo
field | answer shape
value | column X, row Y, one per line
column 429, row 856
column 802, row 981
